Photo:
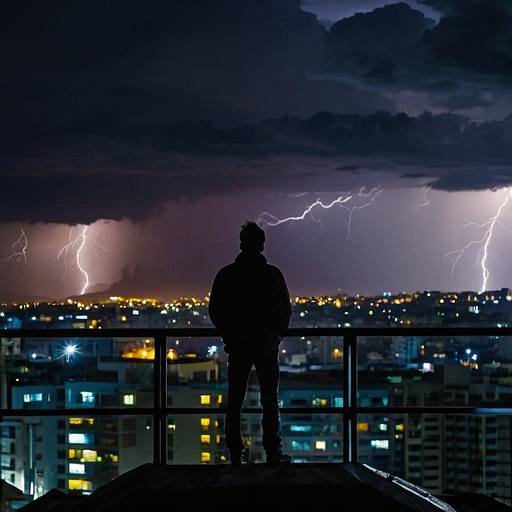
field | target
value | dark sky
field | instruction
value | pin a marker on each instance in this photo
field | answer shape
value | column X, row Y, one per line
column 371, row 140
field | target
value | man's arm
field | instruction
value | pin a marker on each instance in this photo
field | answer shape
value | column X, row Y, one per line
column 284, row 307
column 219, row 304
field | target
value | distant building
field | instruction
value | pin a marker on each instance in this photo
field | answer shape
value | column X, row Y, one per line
column 442, row 453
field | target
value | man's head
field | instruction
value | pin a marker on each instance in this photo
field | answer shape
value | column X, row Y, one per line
column 252, row 237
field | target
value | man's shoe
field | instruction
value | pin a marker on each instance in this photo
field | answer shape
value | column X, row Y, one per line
column 278, row 457
column 236, row 459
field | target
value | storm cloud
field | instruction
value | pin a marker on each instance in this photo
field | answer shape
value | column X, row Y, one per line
column 103, row 103
column 168, row 161
column 155, row 114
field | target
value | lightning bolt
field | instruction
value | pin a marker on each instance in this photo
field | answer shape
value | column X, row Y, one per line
column 426, row 200
column 19, row 251
column 73, row 252
column 266, row 219
column 489, row 227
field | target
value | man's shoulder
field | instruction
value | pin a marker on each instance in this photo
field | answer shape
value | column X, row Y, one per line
column 274, row 269
column 226, row 269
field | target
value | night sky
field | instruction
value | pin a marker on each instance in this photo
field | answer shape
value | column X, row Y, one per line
column 372, row 140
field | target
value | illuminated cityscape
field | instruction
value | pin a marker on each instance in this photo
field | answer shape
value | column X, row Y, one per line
column 440, row 452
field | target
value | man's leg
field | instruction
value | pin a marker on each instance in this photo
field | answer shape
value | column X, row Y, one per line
column 267, row 370
column 239, row 369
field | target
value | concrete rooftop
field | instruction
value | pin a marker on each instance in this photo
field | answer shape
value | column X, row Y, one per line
column 254, row 487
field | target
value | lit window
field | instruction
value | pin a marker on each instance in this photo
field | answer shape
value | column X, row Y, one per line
column 128, row 399
column 320, row 445
column 205, row 457
column 205, row 440
column 32, row 397
column 205, row 423
column 76, row 438
column 380, row 444
column 205, row 399
column 77, row 469
column 79, row 485
column 363, row 427
column 383, row 426
column 76, row 421
column 319, row 402
column 87, row 397
column 300, row 445
column 300, row 428
column 89, row 455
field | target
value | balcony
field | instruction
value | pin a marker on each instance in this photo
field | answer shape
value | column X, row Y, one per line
column 112, row 415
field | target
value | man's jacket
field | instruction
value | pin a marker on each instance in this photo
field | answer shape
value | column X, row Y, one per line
column 250, row 299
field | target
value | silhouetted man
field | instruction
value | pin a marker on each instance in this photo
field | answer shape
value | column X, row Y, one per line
column 250, row 306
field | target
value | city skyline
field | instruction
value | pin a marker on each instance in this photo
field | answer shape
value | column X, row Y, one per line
column 371, row 141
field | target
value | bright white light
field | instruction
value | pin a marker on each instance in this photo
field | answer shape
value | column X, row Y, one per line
column 428, row 367
column 69, row 351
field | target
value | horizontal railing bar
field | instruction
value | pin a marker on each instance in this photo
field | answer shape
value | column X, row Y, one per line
column 434, row 409
column 80, row 412
column 150, row 332
column 193, row 332
column 140, row 411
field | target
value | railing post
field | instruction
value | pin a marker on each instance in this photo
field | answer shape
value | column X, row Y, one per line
column 160, row 401
column 349, row 398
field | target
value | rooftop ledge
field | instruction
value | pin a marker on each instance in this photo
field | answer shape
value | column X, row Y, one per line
column 253, row 487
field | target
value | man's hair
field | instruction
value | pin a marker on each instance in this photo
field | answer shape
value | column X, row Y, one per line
column 252, row 237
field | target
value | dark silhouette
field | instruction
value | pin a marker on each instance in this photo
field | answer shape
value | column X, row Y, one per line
column 250, row 306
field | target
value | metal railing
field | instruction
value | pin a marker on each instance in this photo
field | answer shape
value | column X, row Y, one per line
column 350, row 409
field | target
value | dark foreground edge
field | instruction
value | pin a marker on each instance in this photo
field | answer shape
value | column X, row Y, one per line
column 256, row 487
